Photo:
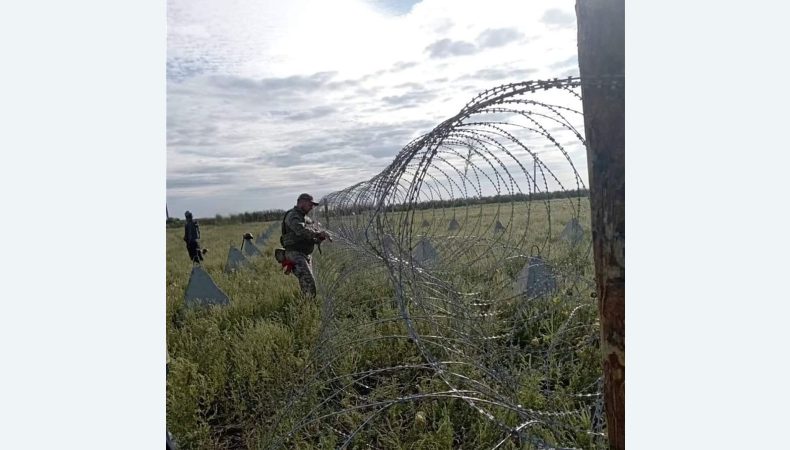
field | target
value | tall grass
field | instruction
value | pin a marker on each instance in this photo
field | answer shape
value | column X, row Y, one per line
column 276, row 370
column 231, row 368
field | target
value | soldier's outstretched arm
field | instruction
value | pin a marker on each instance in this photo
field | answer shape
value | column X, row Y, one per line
column 299, row 227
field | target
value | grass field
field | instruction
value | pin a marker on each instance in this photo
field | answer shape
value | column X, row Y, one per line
column 275, row 370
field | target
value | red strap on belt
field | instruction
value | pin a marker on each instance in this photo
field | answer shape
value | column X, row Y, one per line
column 288, row 266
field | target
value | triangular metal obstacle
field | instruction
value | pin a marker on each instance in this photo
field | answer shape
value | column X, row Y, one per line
column 250, row 249
column 236, row 260
column 573, row 232
column 535, row 279
column 498, row 228
column 262, row 238
column 388, row 243
column 453, row 225
column 424, row 253
column 380, row 243
column 202, row 291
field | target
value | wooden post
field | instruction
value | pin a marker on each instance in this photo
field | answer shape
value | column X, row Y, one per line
column 601, row 43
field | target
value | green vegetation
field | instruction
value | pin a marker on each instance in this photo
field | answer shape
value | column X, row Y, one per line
column 275, row 370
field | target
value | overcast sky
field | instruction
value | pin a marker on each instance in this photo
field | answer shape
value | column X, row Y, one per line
column 267, row 99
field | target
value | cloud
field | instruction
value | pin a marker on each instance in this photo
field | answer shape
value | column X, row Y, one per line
column 193, row 137
column 410, row 99
column 558, row 18
column 446, row 48
column 443, row 26
column 310, row 82
column 208, row 151
column 499, row 74
column 394, row 7
column 294, row 83
column 402, row 65
column 498, row 37
column 211, row 177
column 255, row 108
column 180, row 68
column 570, row 62
column 313, row 113
column 574, row 72
column 355, row 147
column 409, row 85
column 344, row 84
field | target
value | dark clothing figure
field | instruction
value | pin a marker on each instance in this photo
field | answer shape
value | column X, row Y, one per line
column 193, row 248
column 299, row 236
column 191, row 237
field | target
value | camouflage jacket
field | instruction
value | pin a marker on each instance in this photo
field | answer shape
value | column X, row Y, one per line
column 299, row 233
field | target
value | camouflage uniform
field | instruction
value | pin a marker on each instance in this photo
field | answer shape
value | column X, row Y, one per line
column 299, row 238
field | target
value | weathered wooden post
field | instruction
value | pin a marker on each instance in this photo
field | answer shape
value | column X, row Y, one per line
column 601, row 43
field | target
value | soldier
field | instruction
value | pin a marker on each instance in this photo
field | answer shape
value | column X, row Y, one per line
column 299, row 236
column 191, row 237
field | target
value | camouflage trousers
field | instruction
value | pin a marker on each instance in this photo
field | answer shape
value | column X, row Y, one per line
column 303, row 269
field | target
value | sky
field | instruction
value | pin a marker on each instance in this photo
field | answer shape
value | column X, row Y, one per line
column 268, row 99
